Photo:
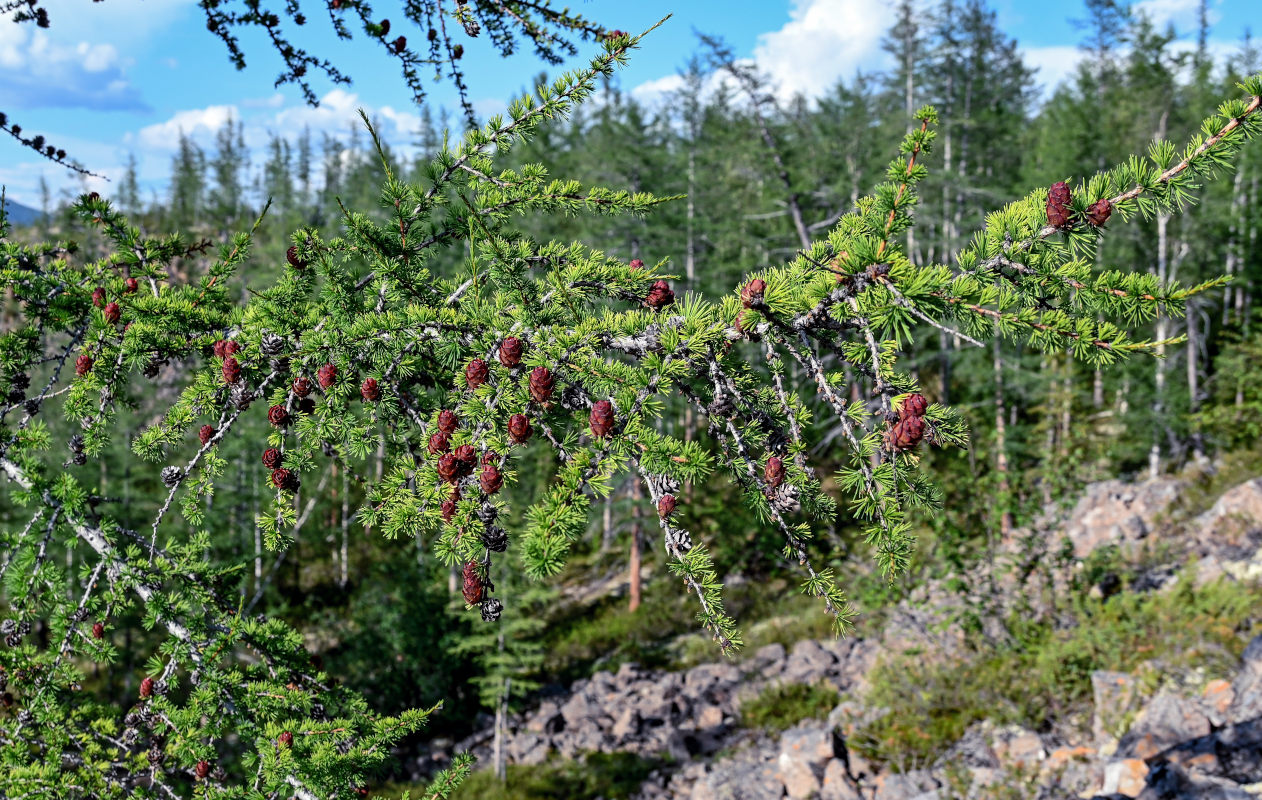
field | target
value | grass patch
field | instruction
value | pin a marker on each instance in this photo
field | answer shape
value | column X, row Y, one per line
column 781, row 706
column 1044, row 674
column 611, row 776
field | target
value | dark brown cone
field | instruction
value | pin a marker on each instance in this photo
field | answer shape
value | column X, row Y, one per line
column 752, row 294
column 448, row 421
column 490, row 480
column 541, row 384
column 327, row 375
column 601, row 419
column 295, row 261
column 439, row 443
column 83, row 365
column 467, row 458
column 773, row 473
column 665, row 505
column 660, row 295
column 146, row 687
column 449, row 468
column 369, row 390
column 519, row 428
column 306, row 405
column 98, row 630
column 1058, row 210
column 473, row 586
column 278, row 416
column 231, row 370
column 907, row 433
column 914, row 405
column 475, row 374
column 400, row 44
column 302, row 386
column 490, row 457
column 271, row 458
column 284, row 479
column 206, row 433
column 1099, row 211
column 510, row 352
column 112, row 313
column 448, row 509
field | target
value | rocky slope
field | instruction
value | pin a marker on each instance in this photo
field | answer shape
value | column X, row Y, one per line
column 1184, row 738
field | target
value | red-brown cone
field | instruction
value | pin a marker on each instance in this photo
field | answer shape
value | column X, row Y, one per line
column 278, row 416
column 400, row 44
column 541, row 383
column 327, row 375
column 467, row 458
column 774, row 472
column 439, row 443
column 98, row 630
column 914, row 405
column 286, row 739
column 449, row 468
column 473, row 587
column 271, row 458
column 146, row 687
column 284, row 479
column 132, row 285
column 490, row 480
column 112, row 313
column 206, row 433
column 369, row 390
column 302, row 386
column 448, row 509
column 83, row 365
column 665, row 505
column 636, row 264
column 475, row 374
column 601, row 419
column 907, row 433
column 231, row 370
column 490, row 457
column 98, row 296
column 294, row 259
column 202, row 770
column 1058, row 198
column 510, row 352
column 448, row 421
column 519, row 428
column 659, row 296
column 1099, row 211
column 752, row 294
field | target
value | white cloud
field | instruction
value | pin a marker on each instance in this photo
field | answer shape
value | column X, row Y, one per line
column 823, row 42
column 199, row 123
column 61, row 72
column 1054, row 63
column 1180, row 13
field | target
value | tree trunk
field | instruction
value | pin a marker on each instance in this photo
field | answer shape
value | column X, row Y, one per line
column 1159, row 378
column 634, row 591
column 1001, row 444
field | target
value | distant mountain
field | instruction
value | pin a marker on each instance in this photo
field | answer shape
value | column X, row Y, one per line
column 20, row 214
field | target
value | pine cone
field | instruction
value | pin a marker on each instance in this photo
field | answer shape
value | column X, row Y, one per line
column 284, row 479
column 519, row 428
column 369, row 391
column 241, row 397
column 79, row 459
column 146, row 687
column 98, row 296
column 98, row 630
column 490, row 457
column 295, row 261
column 302, row 387
column 306, row 406
column 636, row 264
column 1099, row 211
column 231, row 370
column 510, row 352
column 400, row 45
column 439, row 443
column 449, row 468
column 494, row 538
column 541, row 384
column 206, row 433
column 665, row 505
column 112, row 313
column 488, row 513
column 474, row 587
column 773, row 473
column 457, row 51
column 467, row 458
column 1058, row 208
column 132, row 285
column 327, row 376
column 385, row 28
column 272, row 345
column 171, row 476
column 202, row 769
column 574, row 398
column 491, row 609
column 601, row 419
column 752, row 294
column 83, row 365
column 914, row 405
column 76, row 443
column 476, row 373
column 906, row 433
column 271, row 458
column 278, row 416
column 659, row 296
column 490, row 480
column 678, row 540
column 448, row 421
column 448, row 510
column 286, row 739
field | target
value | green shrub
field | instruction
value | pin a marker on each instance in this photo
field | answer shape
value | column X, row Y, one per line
column 781, row 706
column 611, row 776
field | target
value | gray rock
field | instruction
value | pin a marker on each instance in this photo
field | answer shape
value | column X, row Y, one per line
column 1167, row 720
column 750, row 775
column 1115, row 512
column 1116, row 695
column 1247, row 687
column 808, row 662
column 904, row 786
column 805, row 750
column 836, row 784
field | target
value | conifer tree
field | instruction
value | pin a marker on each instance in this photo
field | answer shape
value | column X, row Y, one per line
column 362, row 355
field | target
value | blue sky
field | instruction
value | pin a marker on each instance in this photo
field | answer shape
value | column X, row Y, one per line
column 109, row 79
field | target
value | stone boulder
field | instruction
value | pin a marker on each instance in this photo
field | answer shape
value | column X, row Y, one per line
column 1166, row 721
column 1115, row 512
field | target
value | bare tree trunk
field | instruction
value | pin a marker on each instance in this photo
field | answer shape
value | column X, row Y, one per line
column 346, row 525
column 634, row 591
column 606, row 537
column 1159, row 378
